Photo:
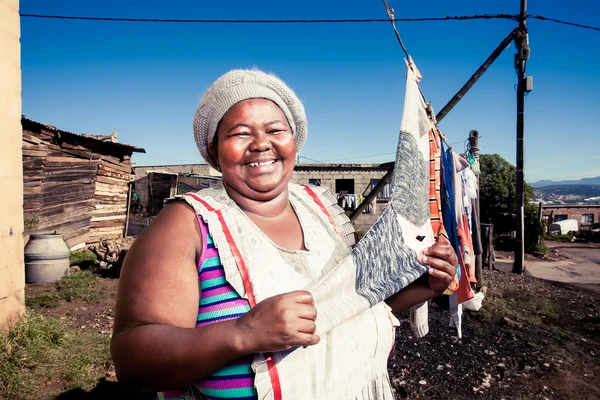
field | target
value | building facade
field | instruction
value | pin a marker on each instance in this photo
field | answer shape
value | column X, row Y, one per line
column 349, row 182
column 584, row 214
column 12, row 270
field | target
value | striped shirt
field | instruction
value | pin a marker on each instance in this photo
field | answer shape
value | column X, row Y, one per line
column 219, row 302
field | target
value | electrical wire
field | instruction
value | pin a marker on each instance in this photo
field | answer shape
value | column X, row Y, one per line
column 563, row 22
column 274, row 21
column 513, row 17
column 356, row 158
column 310, row 159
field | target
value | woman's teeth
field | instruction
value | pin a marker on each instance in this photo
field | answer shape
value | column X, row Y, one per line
column 260, row 164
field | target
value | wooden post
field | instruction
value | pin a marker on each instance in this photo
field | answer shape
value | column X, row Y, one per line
column 474, row 145
column 372, row 195
column 126, row 231
column 487, row 240
column 540, row 222
column 520, row 61
column 492, row 259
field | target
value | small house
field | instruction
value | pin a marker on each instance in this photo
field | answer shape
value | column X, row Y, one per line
column 74, row 185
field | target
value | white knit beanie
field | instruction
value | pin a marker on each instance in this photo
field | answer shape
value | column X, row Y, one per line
column 238, row 85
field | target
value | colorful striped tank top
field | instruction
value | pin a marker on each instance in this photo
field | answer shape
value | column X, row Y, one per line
column 219, row 302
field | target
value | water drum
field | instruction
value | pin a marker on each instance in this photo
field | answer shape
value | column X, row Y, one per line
column 46, row 258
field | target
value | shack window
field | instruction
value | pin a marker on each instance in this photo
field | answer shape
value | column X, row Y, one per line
column 587, row 219
column 344, row 186
column 560, row 217
column 314, row 181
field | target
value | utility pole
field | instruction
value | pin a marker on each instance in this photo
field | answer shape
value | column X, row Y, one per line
column 523, row 85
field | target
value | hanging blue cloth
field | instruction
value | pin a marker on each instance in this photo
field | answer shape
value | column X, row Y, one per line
column 447, row 192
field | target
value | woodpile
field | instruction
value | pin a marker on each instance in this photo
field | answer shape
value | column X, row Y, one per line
column 72, row 185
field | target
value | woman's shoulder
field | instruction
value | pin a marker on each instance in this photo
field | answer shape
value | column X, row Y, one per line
column 176, row 221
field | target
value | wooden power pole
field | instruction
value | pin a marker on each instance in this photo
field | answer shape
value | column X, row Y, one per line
column 476, row 213
column 523, row 86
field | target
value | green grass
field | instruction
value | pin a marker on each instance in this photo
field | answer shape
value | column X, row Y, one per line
column 559, row 238
column 82, row 257
column 80, row 285
column 41, row 349
column 517, row 305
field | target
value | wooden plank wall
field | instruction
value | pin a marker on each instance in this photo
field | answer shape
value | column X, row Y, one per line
column 110, row 198
column 58, row 187
column 160, row 187
column 187, row 184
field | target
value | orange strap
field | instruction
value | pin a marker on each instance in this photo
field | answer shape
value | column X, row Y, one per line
column 317, row 200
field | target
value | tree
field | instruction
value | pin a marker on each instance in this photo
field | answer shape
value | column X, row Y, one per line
column 498, row 198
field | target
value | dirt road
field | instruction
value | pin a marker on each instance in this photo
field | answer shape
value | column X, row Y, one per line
column 571, row 263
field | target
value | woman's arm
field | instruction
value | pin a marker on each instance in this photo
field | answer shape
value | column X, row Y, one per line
column 155, row 345
column 413, row 294
column 443, row 262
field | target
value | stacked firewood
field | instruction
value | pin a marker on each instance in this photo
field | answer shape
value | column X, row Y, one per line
column 110, row 255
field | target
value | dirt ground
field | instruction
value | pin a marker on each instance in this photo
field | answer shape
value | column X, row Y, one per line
column 554, row 356
column 531, row 340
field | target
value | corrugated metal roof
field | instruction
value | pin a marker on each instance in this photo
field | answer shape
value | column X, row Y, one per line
column 74, row 138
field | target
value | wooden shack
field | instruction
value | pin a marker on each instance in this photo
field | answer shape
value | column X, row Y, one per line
column 159, row 185
column 74, row 185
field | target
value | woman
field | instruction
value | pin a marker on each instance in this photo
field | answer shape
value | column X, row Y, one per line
column 250, row 126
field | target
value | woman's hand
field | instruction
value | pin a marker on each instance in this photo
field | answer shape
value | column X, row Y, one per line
column 442, row 262
column 279, row 323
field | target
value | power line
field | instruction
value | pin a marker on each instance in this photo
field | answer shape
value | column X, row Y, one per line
column 563, row 22
column 310, row 159
column 309, row 21
column 274, row 21
column 356, row 158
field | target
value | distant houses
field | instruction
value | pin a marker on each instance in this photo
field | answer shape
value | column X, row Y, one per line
column 350, row 183
column 585, row 214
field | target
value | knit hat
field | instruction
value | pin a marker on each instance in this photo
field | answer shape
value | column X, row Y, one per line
column 238, row 85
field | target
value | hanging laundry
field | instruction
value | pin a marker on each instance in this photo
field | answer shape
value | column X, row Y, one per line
column 448, row 200
column 455, row 314
column 465, row 251
column 347, row 201
column 435, row 202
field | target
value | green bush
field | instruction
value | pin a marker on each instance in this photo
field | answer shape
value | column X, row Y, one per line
column 560, row 238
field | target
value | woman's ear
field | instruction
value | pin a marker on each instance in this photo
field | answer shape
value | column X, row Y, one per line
column 212, row 150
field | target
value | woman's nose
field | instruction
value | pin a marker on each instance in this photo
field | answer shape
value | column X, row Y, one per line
column 260, row 142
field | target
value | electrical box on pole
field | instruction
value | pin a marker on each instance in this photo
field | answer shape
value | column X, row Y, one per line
column 529, row 84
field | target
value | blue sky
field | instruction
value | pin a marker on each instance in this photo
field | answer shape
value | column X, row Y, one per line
column 145, row 80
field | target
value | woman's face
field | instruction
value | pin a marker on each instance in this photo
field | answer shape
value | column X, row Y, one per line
column 255, row 149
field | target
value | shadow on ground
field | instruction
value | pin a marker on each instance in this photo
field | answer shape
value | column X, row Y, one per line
column 105, row 390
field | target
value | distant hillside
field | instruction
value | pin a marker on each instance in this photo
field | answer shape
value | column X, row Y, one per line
column 567, row 193
column 584, row 181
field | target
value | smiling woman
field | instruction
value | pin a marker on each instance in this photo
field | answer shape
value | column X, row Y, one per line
column 211, row 302
column 256, row 156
